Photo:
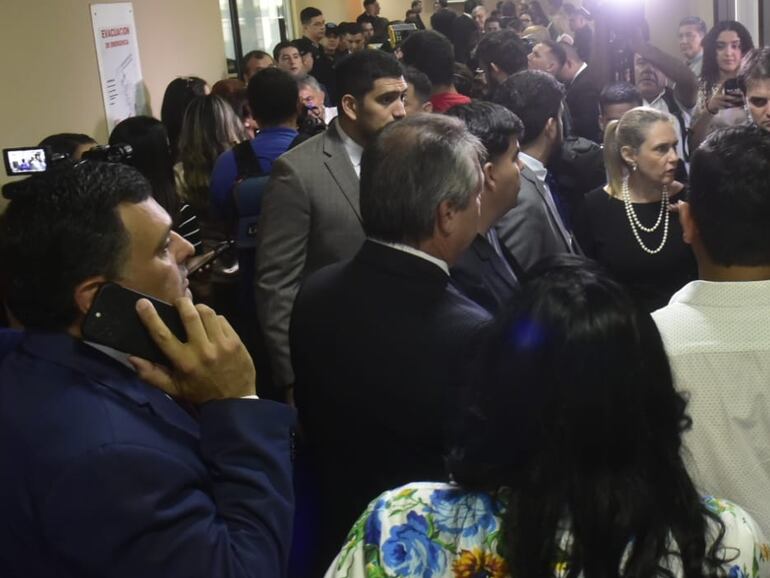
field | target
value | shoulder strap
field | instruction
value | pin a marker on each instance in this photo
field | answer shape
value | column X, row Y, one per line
column 246, row 161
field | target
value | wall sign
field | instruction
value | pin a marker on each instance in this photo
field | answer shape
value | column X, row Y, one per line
column 117, row 53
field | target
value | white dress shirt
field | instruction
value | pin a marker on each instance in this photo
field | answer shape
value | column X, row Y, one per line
column 355, row 151
column 441, row 264
column 717, row 336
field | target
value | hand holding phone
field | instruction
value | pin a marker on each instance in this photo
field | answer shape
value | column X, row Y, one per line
column 730, row 89
column 213, row 364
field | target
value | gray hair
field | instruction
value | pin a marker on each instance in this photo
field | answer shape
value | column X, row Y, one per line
column 410, row 168
column 307, row 81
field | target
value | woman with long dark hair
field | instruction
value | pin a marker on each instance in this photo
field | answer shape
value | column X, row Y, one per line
column 151, row 156
column 720, row 105
column 179, row 93
column 568, row 462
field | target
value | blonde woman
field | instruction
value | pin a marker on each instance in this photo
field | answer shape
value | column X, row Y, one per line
column 627, row 225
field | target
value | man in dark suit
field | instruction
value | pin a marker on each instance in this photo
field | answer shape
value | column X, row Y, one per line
column 310, row 215
column 102, row 472
column 582, row 94
column 487, row 272
column 379, row 342
column 534, row 229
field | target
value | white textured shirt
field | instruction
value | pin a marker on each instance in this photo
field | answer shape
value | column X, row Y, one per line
column 717, row 336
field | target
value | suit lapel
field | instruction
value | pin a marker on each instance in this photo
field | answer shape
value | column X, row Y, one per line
column 340, row 168
column 550, row 207
column 486, row 252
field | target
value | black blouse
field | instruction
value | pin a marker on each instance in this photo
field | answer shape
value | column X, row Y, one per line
column 604, row 233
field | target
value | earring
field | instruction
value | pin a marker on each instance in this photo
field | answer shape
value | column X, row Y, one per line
column 633, row 167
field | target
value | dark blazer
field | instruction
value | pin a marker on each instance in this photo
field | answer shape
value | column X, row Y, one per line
column 379, row 344
column 104, row 475
column 583, row 103
column 310, row 218
column 531, row 229
column 482, row 275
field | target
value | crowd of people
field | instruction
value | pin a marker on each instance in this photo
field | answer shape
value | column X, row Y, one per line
column 468, row 301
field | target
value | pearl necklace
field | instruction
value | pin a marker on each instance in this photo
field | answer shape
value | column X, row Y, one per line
column 635, row 223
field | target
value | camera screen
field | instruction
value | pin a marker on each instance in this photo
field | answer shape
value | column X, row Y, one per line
column 25, row 161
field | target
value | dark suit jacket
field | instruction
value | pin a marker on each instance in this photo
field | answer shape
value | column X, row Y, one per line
column 583, row 103
column 310, row 218
column 378, row 345
column 103, row 475
column 481, row 274
column 531, row 229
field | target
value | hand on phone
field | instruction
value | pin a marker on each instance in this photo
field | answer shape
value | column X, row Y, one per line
column 213, row 364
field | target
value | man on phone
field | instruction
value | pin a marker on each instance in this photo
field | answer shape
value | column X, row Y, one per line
column 109, row 464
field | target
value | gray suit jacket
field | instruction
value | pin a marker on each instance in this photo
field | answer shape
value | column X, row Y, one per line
column 310, row 218
column 531, row 229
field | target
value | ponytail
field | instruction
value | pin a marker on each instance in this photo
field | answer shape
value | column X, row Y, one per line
column 613, row 161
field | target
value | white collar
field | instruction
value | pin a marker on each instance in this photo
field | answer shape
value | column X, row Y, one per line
column 714, row 293
column 416, row 252
column 534, row 165
column 354, row 150
column 581, row 69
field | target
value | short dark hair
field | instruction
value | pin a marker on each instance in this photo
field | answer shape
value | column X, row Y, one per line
column 410, row 168
column 728, row 196
column 255, row 54
column 356, row 73
column 307, row 14
column 694, row 21
column 557, row 49
column 353, row 28
column 442, row 21
column 492, row 124
column 304, row 45
column 504, row 49
column 755, row 66
column 63, row 229
column 422, row 86
column 532, row 95
column 416, row 2
column 431, row 53
column 280, row 46
column 620, row 93
column 66, row 143
column 273, row 96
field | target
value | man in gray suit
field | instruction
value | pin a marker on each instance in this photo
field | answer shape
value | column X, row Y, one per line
column 534, row 229
column 310, row 212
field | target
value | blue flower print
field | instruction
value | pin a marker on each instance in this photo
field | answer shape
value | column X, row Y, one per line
column 736, row 572
column 466, row 513
column 373, row 528
column 409, row 552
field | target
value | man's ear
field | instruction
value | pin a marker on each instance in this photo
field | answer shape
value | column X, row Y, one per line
column 350, row 106
column 445, row 221
column 85, row 292
column 488, row 169
column 427, row 106
column 551, row 128
column 690, row 231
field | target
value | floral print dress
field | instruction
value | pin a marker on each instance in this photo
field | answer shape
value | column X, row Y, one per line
column 436, row 530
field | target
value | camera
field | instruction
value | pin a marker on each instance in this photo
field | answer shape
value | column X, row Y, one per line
column 30, row 161
column 397, row 33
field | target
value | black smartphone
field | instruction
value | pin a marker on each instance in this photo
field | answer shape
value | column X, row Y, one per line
column 114, row 322
column 730, row 88
column 26, row 161
column 201, row 262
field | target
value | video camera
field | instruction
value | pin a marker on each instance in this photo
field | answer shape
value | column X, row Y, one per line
column 29, row 161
